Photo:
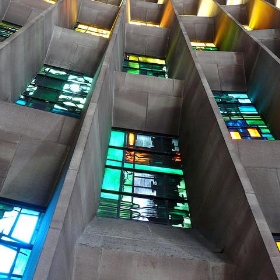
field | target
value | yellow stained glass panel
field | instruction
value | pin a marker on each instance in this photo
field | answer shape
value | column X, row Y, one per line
column 278, row 245
column 253, row 132
column 235, row 135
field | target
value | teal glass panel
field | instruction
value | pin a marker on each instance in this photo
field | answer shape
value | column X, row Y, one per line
column 112, row 179
column 117, row 139
column 115, row 154
column 158, row 169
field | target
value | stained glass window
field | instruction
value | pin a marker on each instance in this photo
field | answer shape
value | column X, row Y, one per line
column 241, row 117
column 7, row 29
column 200, row 46
column 144, row 181
column 18, row 229
column 58, row 91
column 143, row 65
column 93, row 30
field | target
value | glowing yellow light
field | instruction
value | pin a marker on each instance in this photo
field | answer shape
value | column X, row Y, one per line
column 253, row 132
column 93, row 30
column 198, row 44
column 210, row 45
column 235, row 135
column 160, row 2
column 131, row 138
column 278, row 245
column 207, row 8
column 234, row 2
column 82, row 26
column 247, row 27
column 143, row 23
column 146, row 59
column 50, row 1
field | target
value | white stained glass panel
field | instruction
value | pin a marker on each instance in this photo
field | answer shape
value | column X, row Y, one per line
column 25, row 227
column 7, row 221
column 7, row 257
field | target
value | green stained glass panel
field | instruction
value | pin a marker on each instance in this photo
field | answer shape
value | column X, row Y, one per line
column 44, row 94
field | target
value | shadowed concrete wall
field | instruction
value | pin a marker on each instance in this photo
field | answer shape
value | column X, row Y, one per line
column 98, row 14
column 199, row 28
column 261, row 160
column 146, row 11
column 34, row 145
column 3, row 7
column 79, row 198
column 146, row 40
column 22, row 54
column 76, row 51
column 223, row 204
column 147, row 103
column 23, row 11
column 264, row 89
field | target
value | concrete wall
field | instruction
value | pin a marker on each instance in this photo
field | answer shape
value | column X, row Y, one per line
column 223, row 70
column 262, row 15
column 146, row 40
column 223, row 204
column 239, row 12
column 23, row 11
column 76, row 51
column 98, row 14
column 3, row 7
column 188, row 7
column 78, row 201
column 264, row 89
column 199, row 28
column 229, row 36
column 29, row 170
column 147, row 103
column 261, row 160
column 146, row 11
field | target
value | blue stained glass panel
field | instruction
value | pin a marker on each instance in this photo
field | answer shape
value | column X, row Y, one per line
column 241, row 117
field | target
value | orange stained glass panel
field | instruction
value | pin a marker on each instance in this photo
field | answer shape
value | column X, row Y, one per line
column 131, row 139
column 235, row 135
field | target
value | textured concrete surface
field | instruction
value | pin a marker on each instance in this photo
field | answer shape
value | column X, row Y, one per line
column 150, row 99
column 144, row 250
column 200, row 29
column 262, row 162
column 98, row 14
column 34, row 170
column 223, row 70
column 146, row 11
column 37, row 124
column 76, row 51
column 188, row 7
column 146, row 40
